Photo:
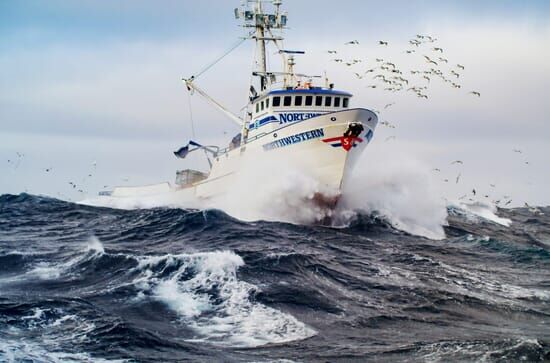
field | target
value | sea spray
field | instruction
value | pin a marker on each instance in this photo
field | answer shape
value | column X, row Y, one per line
column 400, row 189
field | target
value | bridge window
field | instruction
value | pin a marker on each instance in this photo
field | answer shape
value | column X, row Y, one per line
column 328, row 101
column 309, row 100
column 287, row 101
column 297, row 100
column 267, row 103
column 346, row 102
column 336, row 101
column 262, row 105
column 257, row 107
column 276, row 101
column 318, row 100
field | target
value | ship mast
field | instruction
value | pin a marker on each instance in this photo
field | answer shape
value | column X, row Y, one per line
column 260, row 45
column 263, row 23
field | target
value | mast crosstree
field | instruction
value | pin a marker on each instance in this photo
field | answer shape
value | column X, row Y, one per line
column 263, row 23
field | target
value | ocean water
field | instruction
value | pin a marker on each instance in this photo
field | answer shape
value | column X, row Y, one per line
column 83, row 283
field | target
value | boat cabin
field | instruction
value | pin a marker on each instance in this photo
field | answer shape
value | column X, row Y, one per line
column 279, row 107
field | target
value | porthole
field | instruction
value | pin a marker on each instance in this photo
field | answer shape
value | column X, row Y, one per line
column 333, row 118
column 275, row 135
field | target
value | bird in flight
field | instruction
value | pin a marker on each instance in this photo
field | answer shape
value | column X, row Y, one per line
column 429, row 60
column 388, row 105
column 338, row 60
column 460, row 66
column 436, row 169
column 381, row 42
column 444, row 60
column 457, row 162
column 437, row 49
column 475, row 93
column 455, row 74
column 410, row 51
column 457, row 178
column 473, row 191
column 352, row 42
column 371, row 86
column 517, row 151
column 426, row 78
column 331, row 52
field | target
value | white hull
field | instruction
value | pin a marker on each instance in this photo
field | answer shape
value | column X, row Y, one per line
column 311, row 146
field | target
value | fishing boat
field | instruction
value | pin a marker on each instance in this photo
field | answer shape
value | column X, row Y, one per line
column 290, row 116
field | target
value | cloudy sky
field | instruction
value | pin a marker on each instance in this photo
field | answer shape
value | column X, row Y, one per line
column 93, row 88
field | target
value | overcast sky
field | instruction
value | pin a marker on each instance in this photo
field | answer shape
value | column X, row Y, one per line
column 88, row 81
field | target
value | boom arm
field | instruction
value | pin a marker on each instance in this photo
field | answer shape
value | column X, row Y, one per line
column 191, row 86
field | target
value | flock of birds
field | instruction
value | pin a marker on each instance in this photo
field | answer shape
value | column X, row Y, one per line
column 386, row 75
column 503, row 201
column 79, row 187
column 389, row 77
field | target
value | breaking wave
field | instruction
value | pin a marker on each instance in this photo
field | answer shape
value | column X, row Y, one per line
column 82, row 283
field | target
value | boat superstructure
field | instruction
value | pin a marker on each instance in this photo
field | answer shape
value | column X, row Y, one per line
column 291, row 116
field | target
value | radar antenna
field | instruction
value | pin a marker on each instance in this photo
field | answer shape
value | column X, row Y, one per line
column 263, row 22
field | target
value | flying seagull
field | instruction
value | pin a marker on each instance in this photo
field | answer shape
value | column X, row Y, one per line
column 331, row 52
column 352, row 42
column 460, row 66
column 381, row 42
column 475, row 93
column 457, row 162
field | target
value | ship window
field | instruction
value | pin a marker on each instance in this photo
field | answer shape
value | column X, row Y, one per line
column 309, row 100
column 318, row 100
column 346, row 102
column 297, row 100
column 262, row 105
column 276, row 101
column 336, row 101
column 267, row 103
column 328, row 101
column 287, row 101
column 257, row 107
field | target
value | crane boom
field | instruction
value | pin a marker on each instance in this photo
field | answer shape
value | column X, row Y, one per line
column 191, row 86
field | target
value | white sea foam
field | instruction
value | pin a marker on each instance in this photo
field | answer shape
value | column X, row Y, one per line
column 401, row 190
column 23, row 350
column 473, row 210
column 50, row 270
column 274, row 190
column 395, row 186
column 186, row 282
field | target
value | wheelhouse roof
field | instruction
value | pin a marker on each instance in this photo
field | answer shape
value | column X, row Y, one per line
column 314, row 90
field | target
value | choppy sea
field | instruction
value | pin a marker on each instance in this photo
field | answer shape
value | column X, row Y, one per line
column 81, row 283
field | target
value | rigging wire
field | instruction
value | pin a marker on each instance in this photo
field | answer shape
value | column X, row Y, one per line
column 239, row 42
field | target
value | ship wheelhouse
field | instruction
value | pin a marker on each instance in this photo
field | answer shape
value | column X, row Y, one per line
column 279, row 107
